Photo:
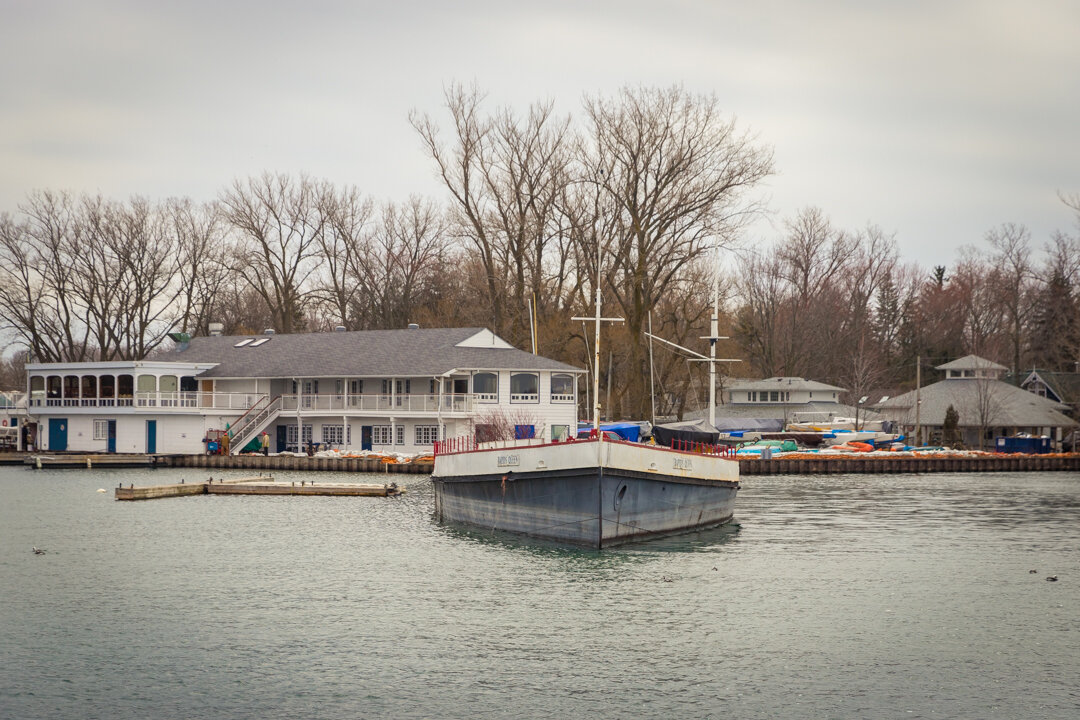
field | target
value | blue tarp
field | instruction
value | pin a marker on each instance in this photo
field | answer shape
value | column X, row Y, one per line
column 627, row 431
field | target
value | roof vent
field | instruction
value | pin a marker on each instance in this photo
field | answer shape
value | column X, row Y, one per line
column 414, row 326
column 268, row 331
column 216, row 329
column 339, row 328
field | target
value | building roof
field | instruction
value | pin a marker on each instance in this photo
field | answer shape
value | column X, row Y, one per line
column 1006, row 405
column 1064, row 385
column 971, row 362
column 785, row 383
column 805, row 412
column 367, row 353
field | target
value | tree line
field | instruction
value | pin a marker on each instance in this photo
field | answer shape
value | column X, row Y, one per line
column 638, row 192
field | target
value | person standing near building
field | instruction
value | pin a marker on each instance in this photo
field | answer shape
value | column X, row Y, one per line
column 265, row 440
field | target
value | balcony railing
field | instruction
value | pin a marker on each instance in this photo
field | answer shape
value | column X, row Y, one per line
column 461, row 403
column 180, row 401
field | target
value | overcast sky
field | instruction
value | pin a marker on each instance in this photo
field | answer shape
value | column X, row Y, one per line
column 936, row 121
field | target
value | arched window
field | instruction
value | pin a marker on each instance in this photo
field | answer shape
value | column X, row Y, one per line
column 486, row 386
column 125, row 390
column 71, row 389
column 562, row 388
column 107, row 388
column 89, row 390
column 167, row 387
column 525, row 387
column 146, row 385
column 37, row 390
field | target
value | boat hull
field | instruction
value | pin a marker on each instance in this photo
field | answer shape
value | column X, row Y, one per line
column 595, row 505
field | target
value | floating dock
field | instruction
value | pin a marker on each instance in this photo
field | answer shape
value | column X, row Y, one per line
column 255, row 486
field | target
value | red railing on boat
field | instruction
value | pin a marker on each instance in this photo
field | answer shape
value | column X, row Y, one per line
column 468, row 443
column 449, row 446
column 702, row 448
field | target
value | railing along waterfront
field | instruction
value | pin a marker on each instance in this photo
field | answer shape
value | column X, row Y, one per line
column 461, row 403
column 160, row 400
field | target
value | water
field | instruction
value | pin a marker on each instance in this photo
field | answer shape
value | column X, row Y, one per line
column 838, row 596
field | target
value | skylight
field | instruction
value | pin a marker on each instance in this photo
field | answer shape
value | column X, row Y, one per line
column 259, row 342
column 242, row 343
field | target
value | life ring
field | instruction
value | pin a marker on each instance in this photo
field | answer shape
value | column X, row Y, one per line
column 5, row 423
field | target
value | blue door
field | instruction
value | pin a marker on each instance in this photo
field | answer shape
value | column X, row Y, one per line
column 58, row 434
column 151, row 436
column 111, row 447
column 282, row 438
column 365, row 437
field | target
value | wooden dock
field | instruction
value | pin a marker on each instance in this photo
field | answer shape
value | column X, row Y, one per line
column 90, row 460
column 261, row 485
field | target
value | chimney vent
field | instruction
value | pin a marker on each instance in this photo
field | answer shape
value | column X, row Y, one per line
column 268, row 331
column 215, row 329
column 414, row 326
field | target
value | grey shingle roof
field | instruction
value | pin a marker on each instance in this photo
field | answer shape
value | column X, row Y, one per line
column 971, row 362
column 368, row 353
column 807, row 411
column 787, row 383
column 1011, row 406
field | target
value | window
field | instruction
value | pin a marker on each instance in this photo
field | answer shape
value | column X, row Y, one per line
column 427, row 434
column 335, row 434
column 399, row 436
column 356, row 387
column 101, row 429
column 290, row 434
column 486, row 387
column 774, row 396
column 560, row 432
column 562, row 388
column 524, row 387
column 380, row 435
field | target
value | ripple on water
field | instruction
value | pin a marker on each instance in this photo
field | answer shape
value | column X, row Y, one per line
column 837, row 596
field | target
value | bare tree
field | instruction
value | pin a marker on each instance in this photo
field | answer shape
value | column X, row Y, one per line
column 344, row 248
column 202, row 263
column 1012, row 279
column 679, row 176
column 278, row 221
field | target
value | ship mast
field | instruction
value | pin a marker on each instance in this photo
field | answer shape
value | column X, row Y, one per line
column 596, row 343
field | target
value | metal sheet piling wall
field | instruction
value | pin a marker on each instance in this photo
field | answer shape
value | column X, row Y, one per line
column 901, row 465
column 292, row 462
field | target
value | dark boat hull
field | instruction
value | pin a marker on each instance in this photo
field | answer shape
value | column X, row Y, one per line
column 586, row 506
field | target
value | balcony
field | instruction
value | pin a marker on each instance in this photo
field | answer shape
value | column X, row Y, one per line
column 168, row 401
column 389, row 404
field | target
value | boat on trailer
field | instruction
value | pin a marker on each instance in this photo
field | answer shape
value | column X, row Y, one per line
column 598, row 492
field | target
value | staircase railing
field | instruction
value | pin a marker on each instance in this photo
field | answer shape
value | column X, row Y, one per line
column 250, row 423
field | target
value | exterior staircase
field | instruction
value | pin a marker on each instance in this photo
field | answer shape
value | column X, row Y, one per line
column 251, row 423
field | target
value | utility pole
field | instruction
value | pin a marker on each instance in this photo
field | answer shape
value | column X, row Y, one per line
column 918, row 399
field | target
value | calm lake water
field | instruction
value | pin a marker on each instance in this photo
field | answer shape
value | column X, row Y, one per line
column 855, row 596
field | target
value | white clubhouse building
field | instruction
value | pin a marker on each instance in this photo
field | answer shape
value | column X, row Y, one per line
column 381, row 390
